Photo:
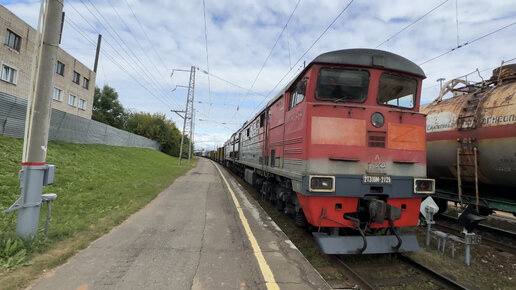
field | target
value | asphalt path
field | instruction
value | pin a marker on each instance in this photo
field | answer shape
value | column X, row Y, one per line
column 203, row 232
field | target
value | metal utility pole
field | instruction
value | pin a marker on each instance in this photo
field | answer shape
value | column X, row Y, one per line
column 440, row 80
column 35, row 173
column 189, row 112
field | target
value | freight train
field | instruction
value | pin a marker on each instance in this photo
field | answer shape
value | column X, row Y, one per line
column 471, row 142
column 342, row 149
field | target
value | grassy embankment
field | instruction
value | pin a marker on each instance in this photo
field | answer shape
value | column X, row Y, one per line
column 98, row 187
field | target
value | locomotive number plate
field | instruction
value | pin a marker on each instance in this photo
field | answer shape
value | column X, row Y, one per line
column 376, row 179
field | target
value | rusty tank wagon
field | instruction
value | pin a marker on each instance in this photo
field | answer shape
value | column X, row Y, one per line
column 471, row 142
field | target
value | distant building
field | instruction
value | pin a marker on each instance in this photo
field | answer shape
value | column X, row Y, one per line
column 74, row 83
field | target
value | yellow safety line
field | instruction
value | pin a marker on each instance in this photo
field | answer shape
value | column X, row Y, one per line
column 270, row 282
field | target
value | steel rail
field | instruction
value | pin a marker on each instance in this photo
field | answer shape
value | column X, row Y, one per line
column 482, row 227
column 431, row 273
column 361, row 281
column 365, row 284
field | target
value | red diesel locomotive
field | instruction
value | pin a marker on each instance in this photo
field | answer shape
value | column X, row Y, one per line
column 342, row 149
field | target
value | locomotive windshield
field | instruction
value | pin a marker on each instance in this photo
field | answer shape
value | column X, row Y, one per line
column 342, row 85
column 397, row 91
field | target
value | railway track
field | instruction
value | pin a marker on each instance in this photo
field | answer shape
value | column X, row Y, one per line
column 401, row 272
column 499, row 239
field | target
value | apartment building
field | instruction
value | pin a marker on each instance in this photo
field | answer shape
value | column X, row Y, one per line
column 74, row 83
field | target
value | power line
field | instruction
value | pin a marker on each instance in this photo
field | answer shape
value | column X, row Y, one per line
column 229, row 82
column 138, row 42
column 105, row 39
column 211, row 120
column 474, row 71
column 457, row 19
column 149, row 79
column 133, row 56
column 309, row 48
column 269, row 55
column 417, row 20
column 112, row 59
column 212, row 103
column 466, row 43
column 207, row 58
column 162, row 62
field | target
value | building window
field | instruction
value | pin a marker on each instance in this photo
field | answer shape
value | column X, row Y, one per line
column 60, row 68
column 76, row 77
column 58, row 95
column 82, row 104
column 71, row 100
column 12, row 40
column 9, row 74
column 85, row 83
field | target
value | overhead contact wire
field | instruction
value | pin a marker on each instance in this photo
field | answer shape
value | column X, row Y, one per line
column 417, row 20
column 311, row 46
column 112, row 59
column 207, row 57
column 467, row 43
column 268, row 56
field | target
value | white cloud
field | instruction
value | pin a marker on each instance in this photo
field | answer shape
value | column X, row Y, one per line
column 241, row 34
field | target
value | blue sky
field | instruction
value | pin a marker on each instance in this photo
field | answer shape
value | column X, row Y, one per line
column 171, row 34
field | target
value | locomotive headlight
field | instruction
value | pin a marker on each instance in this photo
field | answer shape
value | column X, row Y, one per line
column 424, row 185
column 377, row 119
column 322, row 183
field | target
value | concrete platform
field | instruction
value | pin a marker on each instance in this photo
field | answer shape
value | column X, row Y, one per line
column 192, row 236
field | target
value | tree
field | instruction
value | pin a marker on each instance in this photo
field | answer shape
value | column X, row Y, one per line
column 156, row 127
column 107, row 109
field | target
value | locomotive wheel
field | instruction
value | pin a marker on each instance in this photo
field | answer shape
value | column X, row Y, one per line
column 300, row 219
column 280, row 205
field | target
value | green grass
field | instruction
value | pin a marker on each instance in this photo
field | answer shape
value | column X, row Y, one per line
column 97, row 187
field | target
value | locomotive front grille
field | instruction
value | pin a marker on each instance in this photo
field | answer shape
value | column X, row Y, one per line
column 376, row 139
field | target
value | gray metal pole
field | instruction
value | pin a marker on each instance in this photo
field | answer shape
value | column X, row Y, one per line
column 468, row 249
column 428, row 230
column 33, row 164
column 191, row 95
column 183, row 133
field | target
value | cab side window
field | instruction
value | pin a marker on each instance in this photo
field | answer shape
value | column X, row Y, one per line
column 297, row 95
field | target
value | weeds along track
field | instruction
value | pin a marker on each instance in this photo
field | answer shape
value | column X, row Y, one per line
column 395, row 271
column 500, row 239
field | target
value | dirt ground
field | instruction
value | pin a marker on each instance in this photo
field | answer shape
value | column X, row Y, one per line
column 490, row 268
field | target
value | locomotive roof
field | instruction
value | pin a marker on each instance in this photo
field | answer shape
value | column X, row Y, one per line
column 371, row 58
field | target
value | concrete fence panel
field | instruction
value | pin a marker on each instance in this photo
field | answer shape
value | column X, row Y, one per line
column 67, row 127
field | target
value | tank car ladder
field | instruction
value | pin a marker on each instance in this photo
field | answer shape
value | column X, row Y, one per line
column 467, row 161
column 467, row 151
